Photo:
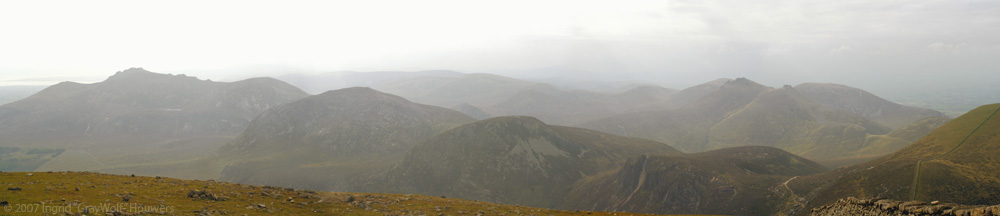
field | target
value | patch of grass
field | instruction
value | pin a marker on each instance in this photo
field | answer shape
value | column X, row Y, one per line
column 25, row 159
column 76, row 191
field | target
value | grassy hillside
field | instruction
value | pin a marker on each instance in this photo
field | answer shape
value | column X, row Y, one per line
column 75, row 192
column 25, row 159
column 320, row 141
column 513, row 159
column 740, row 180
column 786, row 119
column 956, row 165
column 686, row 128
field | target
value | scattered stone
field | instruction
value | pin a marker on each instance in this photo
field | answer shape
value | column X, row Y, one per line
column 205, row 195
column 876, row 206
column 76, row 189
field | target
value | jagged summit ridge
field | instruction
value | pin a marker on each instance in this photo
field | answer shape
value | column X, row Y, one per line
column 138, row 74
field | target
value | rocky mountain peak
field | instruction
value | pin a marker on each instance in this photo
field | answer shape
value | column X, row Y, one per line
column 511, row 122
column 742, row 81
column 743, row 84
column 137, row 74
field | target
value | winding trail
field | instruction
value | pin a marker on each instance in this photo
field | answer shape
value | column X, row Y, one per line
column 795, row 198
column 786, row 185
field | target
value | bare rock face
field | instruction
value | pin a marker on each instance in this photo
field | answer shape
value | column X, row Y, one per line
column 878, row 206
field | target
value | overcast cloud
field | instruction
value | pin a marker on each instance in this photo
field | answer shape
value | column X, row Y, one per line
column 859, row 43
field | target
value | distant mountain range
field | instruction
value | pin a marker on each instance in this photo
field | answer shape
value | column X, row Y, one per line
column 729, row 146
column 475, row 89
column 13, row 93
column 485, row 95
column 137, row 117
column 319, row 83
column 742, row 113
column 141, row 106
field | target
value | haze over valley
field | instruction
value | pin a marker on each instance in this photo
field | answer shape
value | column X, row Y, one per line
column 500, row 108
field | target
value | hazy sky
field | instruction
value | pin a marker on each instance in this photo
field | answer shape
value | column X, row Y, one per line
column 675, row 41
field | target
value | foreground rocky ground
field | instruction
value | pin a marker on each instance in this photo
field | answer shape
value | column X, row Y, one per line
column 85, row 193
column 875, row 206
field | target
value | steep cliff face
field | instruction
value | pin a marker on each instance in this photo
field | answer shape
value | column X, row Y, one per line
column 854, row 206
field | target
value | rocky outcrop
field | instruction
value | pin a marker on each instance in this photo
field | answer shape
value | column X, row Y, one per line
column 205, row 195
column 877, row 206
